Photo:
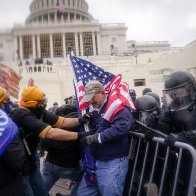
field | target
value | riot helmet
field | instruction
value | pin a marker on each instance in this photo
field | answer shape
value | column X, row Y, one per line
column 146, row 90
column 146, row 105
column 154, row 95
column 179, row 91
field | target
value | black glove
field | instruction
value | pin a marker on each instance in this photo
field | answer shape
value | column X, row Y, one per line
column 148, row 135
column 90, row 139
column 152, row 120
column 85, row 118
column 84, row 134
column 172, row 138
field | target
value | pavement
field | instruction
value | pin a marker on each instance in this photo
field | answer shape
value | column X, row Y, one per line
column 62, row 186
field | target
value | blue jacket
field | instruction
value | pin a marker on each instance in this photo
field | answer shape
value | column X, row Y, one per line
column 114, row 136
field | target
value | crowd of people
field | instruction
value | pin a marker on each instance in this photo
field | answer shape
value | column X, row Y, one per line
column 31, row 127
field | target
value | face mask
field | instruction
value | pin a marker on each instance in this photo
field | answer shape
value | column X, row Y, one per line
column 38, row 111
column 184, row 120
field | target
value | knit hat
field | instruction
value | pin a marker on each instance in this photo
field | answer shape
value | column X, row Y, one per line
column 3, row 94
column 91, row 88
column 31, row 95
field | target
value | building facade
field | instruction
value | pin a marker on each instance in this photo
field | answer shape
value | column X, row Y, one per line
column 54, row 28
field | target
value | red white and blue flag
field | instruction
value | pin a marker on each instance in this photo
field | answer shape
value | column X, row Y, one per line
column 10, row 80
column 118, row 91
column 118, row 97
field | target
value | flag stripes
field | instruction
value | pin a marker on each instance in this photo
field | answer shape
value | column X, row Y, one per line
column 10, row 80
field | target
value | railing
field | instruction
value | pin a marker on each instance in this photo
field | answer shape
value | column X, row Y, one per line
column 41, row 68
column 158, row 170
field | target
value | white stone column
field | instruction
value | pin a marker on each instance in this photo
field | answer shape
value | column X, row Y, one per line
column 99, row 43
column 55, row 17
column 21, row 48
column 33, row 44
column 76, row 44
column 16, row 49
column 38, row 47
column 62, row 20
column 51, row 46
column 81, row 45
column 94, row 46
column 64, row 45
column 68, row 17
column 48, row 18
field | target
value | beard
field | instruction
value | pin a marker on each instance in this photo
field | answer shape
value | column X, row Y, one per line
column 96, row 104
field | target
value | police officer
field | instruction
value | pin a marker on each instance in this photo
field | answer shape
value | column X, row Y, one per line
column 147, row 108
column 179, row 98
column 147, row 113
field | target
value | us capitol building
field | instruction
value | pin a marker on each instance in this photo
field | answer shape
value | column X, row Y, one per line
column 39, row 48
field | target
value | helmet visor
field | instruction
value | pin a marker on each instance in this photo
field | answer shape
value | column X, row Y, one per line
column 144, row 114
column 179, row 98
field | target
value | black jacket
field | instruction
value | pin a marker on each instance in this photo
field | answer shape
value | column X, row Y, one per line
column 11, row 164
column 30, row 126
column 63, row 153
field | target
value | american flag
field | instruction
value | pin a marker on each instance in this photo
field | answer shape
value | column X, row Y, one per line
column 10, row 80
column 118, row 91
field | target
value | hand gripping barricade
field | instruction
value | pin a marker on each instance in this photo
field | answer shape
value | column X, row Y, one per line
column 156, row 169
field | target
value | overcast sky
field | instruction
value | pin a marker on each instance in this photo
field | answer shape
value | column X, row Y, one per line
column 147, row 20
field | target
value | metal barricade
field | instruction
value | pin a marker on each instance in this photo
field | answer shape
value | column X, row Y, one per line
column 158, row 170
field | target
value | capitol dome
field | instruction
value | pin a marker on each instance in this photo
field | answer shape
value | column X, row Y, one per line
column 45, row 11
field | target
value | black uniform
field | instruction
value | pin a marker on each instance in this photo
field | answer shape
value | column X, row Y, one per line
column 30, row 128
column 63, row 153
